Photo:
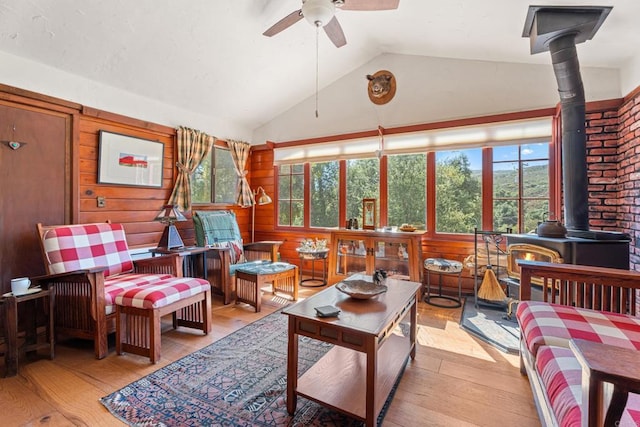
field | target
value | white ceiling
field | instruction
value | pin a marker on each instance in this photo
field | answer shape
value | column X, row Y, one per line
column 209, row 56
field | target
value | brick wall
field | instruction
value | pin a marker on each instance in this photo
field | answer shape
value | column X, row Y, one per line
column 602, row 160
column 613, row 157
column 629, row 174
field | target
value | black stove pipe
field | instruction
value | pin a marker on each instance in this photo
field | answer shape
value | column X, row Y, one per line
column 566, row 68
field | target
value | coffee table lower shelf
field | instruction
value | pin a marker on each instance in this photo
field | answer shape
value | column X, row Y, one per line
column 338, row 379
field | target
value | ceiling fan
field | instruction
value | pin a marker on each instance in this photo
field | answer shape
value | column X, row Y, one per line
column 321, row 13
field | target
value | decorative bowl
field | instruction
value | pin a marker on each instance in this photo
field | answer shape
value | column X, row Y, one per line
column 407, row 227
column 360, row 289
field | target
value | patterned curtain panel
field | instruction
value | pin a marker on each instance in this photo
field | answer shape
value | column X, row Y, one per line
column 192, row 146
column 240, row 154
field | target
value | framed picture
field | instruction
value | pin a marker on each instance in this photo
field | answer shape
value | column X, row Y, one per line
column 369, row 214
column 127, row 160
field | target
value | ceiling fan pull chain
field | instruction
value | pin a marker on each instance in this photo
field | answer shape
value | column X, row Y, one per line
column 317, row 63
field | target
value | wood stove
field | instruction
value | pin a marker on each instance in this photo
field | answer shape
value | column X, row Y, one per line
column 612, row 253
column 529, row 252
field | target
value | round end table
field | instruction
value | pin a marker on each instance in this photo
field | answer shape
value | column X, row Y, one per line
column 442, row 266
column 313, row 255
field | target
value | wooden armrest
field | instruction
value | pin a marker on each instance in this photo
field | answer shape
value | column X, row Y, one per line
column 168, row 264
column 263, row 243
column 266, row 247
column 601, row 364
column 53, row 277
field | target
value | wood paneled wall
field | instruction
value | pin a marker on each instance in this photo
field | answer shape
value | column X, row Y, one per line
column 134, row 207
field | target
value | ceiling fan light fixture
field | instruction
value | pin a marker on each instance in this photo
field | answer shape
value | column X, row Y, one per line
column 318, row 12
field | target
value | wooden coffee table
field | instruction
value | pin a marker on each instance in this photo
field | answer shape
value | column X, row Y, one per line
column 356, row 376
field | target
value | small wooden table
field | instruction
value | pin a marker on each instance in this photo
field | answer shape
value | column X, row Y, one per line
column 605, row 363
column 42, row 300
column 188, row 254
column 356, row 376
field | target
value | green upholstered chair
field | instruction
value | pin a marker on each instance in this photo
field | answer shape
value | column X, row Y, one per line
column 219, row 231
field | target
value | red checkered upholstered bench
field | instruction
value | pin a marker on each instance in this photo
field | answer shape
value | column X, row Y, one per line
column 563, row 345
column 90, row 266
column 546, row 332
column 139, row 310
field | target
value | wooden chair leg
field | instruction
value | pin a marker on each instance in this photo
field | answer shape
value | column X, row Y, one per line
column 119, row 331
column 154, row 335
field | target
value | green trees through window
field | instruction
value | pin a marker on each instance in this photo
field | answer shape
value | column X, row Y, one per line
column 215, row 179
column 519, row 195
column 458, row 191
column 363, row 182
column 324, row 192
column 291, row 195
column 407, row 190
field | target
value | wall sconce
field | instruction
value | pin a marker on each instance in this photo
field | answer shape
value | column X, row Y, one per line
column 261, row 199
column 170, row 237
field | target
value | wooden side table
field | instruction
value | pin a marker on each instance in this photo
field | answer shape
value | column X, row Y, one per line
column 42, row 300
column 601, row 364
column 188, row 254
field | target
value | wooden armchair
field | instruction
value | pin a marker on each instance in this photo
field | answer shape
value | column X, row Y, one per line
column 219, row 231
column 87, row 283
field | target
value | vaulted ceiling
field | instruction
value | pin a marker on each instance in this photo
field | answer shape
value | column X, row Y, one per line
column 210, row 57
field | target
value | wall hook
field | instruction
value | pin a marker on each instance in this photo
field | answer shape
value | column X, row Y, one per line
column 14, row 145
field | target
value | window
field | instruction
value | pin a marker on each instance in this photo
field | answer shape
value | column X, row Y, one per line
column 493, row 175
column 363, row 182
column 291, row 195
column 520, row 186
column 458, row 190
column 324, row 186
column 215, row 179
column 407, row 189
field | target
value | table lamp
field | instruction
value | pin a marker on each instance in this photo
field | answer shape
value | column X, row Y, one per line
column 263, row 199
column 170, row 237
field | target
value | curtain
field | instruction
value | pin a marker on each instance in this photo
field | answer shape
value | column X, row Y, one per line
column 240, row 155
column 192, row 146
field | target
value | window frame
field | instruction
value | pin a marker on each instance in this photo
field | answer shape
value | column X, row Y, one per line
column 487, row 174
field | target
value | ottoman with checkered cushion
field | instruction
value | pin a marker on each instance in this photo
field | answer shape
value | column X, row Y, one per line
column 139, row 311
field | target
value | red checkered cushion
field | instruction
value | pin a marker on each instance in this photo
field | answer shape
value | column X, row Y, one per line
column 561, row 376
column 114, row 285
column 162, row 293
column 551, row 324
column 85, row 246
column 631, row 415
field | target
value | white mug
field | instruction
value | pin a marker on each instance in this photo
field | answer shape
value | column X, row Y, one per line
column 20, row 285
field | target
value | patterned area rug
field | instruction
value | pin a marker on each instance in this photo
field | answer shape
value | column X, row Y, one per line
column 489, row 323
column 239, row 380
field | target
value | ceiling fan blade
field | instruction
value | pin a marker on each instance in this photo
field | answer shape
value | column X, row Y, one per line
column 370, row 4
column 335, row 33
column 284, row 23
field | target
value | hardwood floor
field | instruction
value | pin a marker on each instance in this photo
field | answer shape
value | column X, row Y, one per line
column 455, row 379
